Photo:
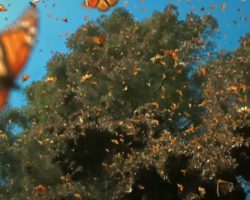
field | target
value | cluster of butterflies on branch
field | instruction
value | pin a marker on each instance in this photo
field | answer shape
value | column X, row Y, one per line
column 16, row 44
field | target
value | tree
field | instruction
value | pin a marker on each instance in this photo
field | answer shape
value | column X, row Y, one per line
column 129, row 113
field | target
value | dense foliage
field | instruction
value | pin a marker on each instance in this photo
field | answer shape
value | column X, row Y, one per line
column 135, row 111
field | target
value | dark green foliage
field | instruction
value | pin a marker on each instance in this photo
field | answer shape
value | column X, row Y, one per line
column 131, row 118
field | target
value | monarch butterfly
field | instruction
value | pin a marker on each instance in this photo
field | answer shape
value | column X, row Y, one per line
column 34, row 3
column 50, row 79
column 2, row 8
column 99, row 40
column 65, row 19
column 102, row 5
column 41, row 188
column 25, row 77
column 15, row 47
column 172, row 53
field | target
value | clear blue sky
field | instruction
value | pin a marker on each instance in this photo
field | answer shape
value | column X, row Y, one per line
column 234, row 22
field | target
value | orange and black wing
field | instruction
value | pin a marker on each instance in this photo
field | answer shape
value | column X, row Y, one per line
column 17, row 41
column 3, row 97
column 99, row 40
column 102, row 5
column 16, row 44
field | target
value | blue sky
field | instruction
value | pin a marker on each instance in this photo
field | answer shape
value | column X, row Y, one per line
column 234, row 22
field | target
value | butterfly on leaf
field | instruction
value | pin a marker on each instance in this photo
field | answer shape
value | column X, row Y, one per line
column 86, row 77
column 172, row 53
column 99, row 40
column 50, row 79
column 102, row 5
column 158, row 58
column 41, row 188
column 16, row 43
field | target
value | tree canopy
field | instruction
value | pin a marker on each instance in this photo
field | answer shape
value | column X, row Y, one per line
column 137, row 110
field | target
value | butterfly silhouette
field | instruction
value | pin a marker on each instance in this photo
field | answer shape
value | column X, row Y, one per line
column 16, row 43
column 102, row 5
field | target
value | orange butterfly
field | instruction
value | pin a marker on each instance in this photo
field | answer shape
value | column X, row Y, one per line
column 99, row 40
column 41, row 188
column 25, row 77
column 172, row 53
column 102, row 5
column 16, row 44
column 2, row 8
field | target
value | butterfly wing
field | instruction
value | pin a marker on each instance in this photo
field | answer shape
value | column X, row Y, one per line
column 15, row 47
column 3, row 97
column 99, row 40
column 90, row 3
column 16, row 43
column 2, row 8
column 104, row 5
column 93, row 3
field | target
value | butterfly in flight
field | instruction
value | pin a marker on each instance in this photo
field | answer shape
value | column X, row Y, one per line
column 2, row 8
column 102, row 5
column 16, row 43
column 34, row 3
